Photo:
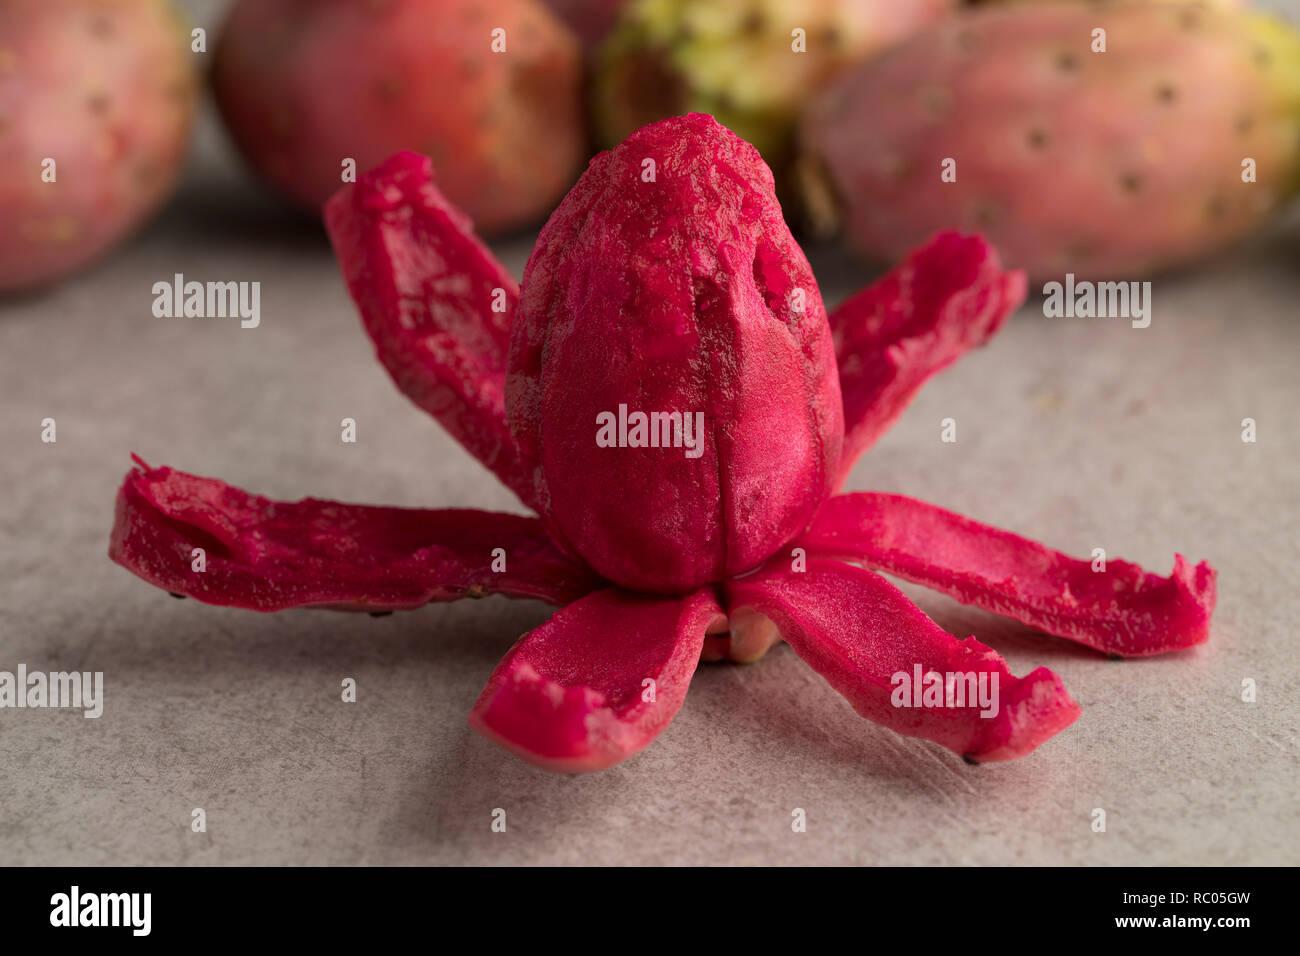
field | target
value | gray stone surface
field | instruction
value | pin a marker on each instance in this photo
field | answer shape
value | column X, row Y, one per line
column 1080, row 433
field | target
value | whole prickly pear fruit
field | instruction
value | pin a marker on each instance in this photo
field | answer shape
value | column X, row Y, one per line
column 95, row 106
column 1179, row 138
column 490, row 89
column 666, row 305
column 750, row 63
column 1233, row 4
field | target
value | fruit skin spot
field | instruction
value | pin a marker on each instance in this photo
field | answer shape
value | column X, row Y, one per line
column 59, row 230
column 937, row 100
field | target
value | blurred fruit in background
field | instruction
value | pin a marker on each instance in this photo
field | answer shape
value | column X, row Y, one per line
column 1227, row 4
column 1113, row 164
column 305, row 84
column 734, row 59
column 590, row 20
column 105, row 90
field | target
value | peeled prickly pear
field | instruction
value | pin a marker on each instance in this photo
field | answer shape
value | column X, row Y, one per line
column 95, row 106
column 667, row 303
column 1179, row 137
column 489, row 90
column 750, row 63
column 666, row 284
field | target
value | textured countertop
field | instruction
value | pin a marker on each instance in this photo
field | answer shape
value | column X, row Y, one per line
column 1080, row 433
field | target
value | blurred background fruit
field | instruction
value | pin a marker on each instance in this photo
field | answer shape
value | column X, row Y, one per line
column 105, row 89
column 1118, row 163
column 733, row 58
column 590, row 20
column 1099, row 3
column 304, row 84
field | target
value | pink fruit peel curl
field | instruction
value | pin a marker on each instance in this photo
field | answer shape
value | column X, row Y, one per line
column 1125, row 612
column 561, row 700
column 685, row 292
column 857, row 630
column 265, row 555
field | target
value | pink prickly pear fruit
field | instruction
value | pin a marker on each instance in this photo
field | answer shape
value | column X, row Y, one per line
column 750, row 63
column 96, row 100
column 1181, row 137
column 1230, row 4
column 672, row 379
column 489, row 89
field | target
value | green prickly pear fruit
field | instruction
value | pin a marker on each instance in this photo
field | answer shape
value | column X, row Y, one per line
column 750, row 63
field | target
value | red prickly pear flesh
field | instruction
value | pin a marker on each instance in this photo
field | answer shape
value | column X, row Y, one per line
column 685, row 294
